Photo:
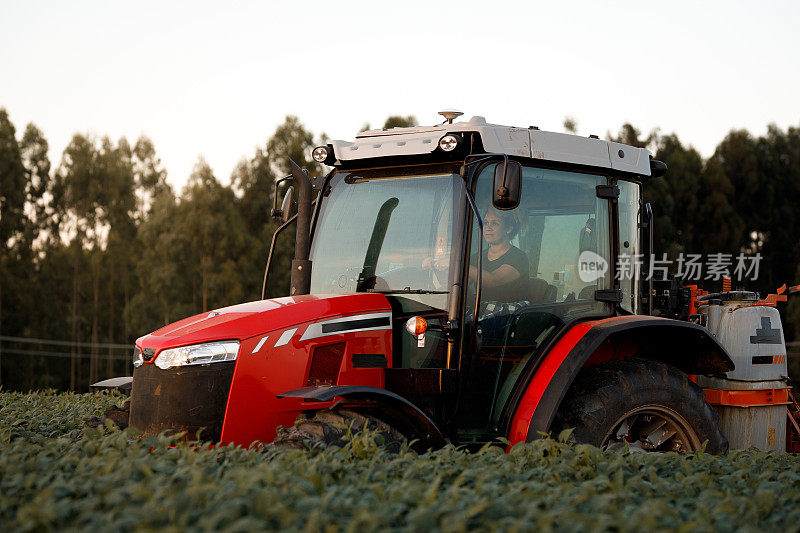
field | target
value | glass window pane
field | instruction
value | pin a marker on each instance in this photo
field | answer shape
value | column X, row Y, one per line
column 559, row 221
column 386, row 233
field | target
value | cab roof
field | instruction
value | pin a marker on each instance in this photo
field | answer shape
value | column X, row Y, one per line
column 522, row 142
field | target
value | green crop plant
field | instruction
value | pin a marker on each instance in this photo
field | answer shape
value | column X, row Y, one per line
column 57, row 473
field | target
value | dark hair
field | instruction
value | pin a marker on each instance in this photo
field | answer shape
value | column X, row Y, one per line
column 508, row 218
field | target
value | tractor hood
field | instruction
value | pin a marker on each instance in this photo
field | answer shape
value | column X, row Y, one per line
column 246, row 320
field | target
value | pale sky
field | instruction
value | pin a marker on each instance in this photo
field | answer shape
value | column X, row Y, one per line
column 215, row 79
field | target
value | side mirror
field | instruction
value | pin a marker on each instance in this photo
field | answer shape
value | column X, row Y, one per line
column 286, row 205
column 657, row 168
column 507, row 185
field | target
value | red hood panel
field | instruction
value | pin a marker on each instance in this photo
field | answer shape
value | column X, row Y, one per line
column 253, row 318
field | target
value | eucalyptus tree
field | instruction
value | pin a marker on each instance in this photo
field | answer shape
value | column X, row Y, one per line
column 292, row 140
column 12, row 199
column 216, row 237
column 94, row 188
column 399, row 121
column 150, row 176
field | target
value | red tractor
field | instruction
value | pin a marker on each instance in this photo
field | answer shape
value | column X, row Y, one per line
column 465, row 283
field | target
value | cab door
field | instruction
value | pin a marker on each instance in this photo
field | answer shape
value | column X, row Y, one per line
column 557, row 241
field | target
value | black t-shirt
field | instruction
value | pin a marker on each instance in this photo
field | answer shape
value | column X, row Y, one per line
column 512, row 291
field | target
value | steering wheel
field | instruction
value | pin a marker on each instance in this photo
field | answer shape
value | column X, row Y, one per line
column 345, row 281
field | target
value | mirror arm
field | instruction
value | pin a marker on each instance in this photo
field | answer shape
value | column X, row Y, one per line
column 272, row 249
column 277, row 213
column 503, row 190
column 479, row 158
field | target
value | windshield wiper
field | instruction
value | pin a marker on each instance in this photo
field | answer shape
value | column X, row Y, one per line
column 366, row 280
column 407, row 290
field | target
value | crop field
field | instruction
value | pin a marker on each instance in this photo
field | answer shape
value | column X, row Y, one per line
column 57, row 473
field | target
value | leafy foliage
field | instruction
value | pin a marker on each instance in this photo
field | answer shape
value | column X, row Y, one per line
column 51, row 480
column 399, row 121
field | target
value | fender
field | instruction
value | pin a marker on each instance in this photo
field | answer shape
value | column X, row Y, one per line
column 123, row 383
column 382, row 404
column 687, row 346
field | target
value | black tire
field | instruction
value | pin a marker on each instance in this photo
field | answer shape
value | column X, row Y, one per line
column 330, row 428
column 648, row 405
column 120, row 416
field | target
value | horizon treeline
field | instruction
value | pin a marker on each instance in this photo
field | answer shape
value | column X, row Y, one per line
column 99, row 249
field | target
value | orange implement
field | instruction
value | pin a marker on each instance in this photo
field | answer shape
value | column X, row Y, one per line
column 748, row 398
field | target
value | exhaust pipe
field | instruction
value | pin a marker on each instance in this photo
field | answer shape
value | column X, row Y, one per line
column 301, row 266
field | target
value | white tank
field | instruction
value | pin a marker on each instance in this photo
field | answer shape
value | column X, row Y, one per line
column 753, row 336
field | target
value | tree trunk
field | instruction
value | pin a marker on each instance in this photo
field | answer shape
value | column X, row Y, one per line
column 111, row 310
column 125, row 325
column 73, row 363
column 204, row 288
column 2, row 254
column 93, row 370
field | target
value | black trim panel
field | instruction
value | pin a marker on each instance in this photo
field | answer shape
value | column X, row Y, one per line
column 369, row 360
column 337, row 327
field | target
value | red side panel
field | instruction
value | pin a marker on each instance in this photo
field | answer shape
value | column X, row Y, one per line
column 521, row 421
column 254, row 411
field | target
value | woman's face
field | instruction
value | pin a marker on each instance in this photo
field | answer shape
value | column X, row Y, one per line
column 494, row 231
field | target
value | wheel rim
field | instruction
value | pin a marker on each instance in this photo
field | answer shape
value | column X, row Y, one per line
column 652, row 428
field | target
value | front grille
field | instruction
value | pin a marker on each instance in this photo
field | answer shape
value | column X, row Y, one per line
column 186, row 398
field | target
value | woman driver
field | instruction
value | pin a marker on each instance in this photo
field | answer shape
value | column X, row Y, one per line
column 504, row 265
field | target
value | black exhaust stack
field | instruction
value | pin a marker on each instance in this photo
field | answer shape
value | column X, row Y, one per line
column 301, row 266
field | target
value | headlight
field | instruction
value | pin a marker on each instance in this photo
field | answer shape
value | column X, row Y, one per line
column 137, row 357
column 198, row 354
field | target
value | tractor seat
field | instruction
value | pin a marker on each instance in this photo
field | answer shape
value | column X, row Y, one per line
column 587, row 293
column 539, row 291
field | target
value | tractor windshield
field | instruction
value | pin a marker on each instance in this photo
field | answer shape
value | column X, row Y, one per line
column 390, row 232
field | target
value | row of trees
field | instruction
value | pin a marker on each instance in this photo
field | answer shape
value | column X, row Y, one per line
column 99, row 248
column 742, row 199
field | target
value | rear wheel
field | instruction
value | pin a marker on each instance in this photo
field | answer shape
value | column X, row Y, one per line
column 331, row 427
column 643, row 404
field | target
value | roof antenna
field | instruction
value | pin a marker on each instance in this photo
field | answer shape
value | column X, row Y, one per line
column 450, row 115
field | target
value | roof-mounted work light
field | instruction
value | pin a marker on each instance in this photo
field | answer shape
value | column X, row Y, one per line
column 450, row 142
column 323, row 154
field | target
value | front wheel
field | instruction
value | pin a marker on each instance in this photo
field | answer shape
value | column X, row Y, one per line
column 331, row 427
column 120, row 416
column 643, row 404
